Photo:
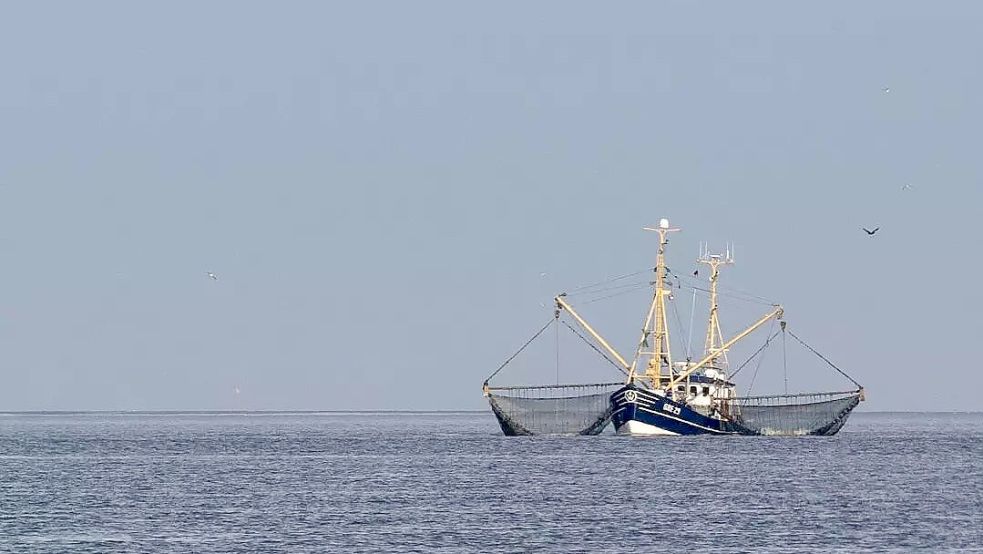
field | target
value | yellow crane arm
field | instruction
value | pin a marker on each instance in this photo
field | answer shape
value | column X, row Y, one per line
column 776, row 313
column 561, row 304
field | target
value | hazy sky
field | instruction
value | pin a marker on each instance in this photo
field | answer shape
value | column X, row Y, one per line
column 379, row 186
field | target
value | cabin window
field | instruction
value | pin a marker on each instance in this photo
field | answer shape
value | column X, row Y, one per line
column 706, row 391
column 681, row 388
column 692, row 390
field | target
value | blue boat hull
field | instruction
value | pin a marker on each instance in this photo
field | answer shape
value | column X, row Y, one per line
column 640, row 412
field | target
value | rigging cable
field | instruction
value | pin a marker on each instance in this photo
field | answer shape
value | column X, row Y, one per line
column 596, row 349
column 730, row 291
column 557, row 336
column 758, row 365
column 738, row 292
column 784, row 359
column 519, row 351
column 606, row 281
column 692, row 314
column 749, row 299
column 823, row 358
column 637, row 287
column 752, row 356
column 609, row 289
column 679, row 320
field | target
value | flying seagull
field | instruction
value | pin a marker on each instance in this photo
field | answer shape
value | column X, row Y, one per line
column 906, row 186
column 886, row 90
column 212, row 276
column 870, row 232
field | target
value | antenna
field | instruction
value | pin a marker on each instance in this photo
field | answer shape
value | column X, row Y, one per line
column 715, row 339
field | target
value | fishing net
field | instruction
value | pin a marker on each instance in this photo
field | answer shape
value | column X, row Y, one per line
column 803, row 414
column 553, row 410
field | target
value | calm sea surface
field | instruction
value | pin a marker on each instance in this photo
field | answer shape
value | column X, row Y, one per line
column 450, row 482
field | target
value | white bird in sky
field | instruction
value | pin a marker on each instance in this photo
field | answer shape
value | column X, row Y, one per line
column 212, row 276
column 886, row 90
column 906, row 186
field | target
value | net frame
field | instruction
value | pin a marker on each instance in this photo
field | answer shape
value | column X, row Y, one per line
column 552, row 409
column 822, row 413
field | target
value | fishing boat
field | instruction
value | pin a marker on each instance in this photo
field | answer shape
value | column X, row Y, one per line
column 663, row 396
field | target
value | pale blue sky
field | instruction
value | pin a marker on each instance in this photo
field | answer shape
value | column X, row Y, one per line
column 379, row 186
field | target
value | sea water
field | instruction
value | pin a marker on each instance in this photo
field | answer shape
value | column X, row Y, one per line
column 450, row 482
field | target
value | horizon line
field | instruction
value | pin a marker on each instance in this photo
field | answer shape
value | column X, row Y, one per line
column 357, row 411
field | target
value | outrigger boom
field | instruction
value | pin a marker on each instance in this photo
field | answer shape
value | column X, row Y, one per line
column 776, row 313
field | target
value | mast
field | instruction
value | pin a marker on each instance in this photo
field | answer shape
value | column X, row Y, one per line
column 656, row 325
column 776, row 313
column 715, row 338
